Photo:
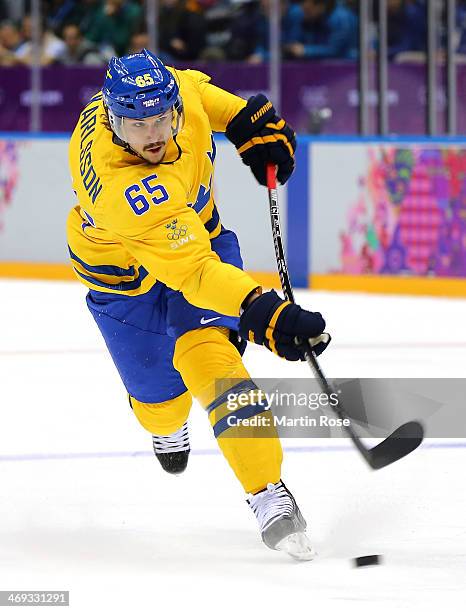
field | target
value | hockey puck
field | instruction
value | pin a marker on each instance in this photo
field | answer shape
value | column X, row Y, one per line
column 369, row 560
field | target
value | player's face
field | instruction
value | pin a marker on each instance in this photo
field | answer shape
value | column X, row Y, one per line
column 149, row 137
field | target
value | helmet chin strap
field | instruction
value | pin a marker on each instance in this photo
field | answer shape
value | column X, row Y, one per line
column 178, row 156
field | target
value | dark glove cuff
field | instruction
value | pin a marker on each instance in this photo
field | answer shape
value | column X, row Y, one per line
column 252, row 118
column 256, row 316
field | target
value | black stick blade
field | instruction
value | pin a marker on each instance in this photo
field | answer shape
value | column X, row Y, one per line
column 400, row 443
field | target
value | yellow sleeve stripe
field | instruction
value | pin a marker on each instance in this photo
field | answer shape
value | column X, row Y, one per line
column 251, row 336
column 136, row 287
column 271, row 327
column 258, row 140
column 102, row 276
column 214, row 233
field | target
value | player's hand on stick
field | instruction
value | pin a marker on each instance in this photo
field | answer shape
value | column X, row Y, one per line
column 262, row 137
column 276, row 324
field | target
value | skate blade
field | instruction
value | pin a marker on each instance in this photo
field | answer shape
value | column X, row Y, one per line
column 298, row 546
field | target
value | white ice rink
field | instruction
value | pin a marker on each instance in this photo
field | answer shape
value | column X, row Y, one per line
column 85, row 506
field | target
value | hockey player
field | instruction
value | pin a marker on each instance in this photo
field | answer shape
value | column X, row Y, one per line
column 165, row 278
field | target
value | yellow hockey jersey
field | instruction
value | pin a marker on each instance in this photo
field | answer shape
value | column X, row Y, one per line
column 136, row 223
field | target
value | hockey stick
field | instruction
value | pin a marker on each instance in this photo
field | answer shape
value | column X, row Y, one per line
column 403, row 440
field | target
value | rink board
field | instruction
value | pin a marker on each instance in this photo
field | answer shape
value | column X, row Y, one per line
column 358, row 214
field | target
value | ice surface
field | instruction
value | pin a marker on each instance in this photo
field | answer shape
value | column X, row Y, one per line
column 86, row 508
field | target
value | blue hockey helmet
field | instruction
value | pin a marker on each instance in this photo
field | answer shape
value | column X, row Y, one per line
column 139, row 86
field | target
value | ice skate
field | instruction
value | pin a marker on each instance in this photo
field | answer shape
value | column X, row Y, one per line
column 173, row 451
column 281, row 523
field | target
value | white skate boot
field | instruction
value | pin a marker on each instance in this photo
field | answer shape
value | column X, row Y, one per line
column 173, row 451
column 281, row 523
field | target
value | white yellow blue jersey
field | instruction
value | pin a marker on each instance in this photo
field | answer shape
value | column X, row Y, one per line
column 136, row 223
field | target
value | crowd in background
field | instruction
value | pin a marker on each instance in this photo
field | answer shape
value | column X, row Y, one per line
column 89, row 32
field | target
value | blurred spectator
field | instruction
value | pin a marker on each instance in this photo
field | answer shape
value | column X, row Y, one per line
column 461, row 27
column 215, row 29
column 78, row 50
column 16, row 9
column 10, row 41
column 50, row 8
column 80, row 12
column 407, row 29
column 218, row 15
column 139, row 40
column 114, row 23
column 327, row 30
column 182, row 29
column 244, row 32
column 51, row 47
column 250, row 30
column 3, row 11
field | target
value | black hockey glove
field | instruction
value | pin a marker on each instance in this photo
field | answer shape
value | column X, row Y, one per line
column 274, row 323
column 262, row 137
